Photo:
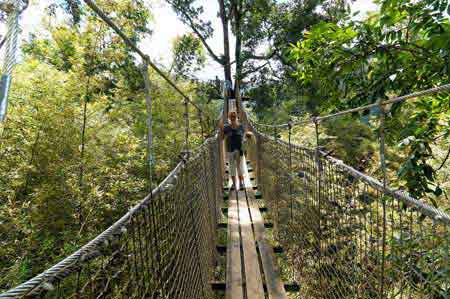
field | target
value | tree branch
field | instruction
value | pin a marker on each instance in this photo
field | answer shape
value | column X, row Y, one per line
column 205, row 43
column 191, row 24
column 445, row 160
column 245, row 74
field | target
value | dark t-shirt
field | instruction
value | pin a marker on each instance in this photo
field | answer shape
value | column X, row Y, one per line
column 234, row 137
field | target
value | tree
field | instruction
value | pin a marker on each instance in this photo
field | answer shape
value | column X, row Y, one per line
column 402, row 49
column 188, row 56
column 263, row 24
column 76, row 136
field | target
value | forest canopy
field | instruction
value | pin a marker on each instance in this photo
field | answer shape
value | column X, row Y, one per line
column 73, row 147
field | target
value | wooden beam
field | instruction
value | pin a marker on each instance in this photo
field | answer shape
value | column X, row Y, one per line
column 234, row 288
column 253, row 277
column 272, row 274
column 222, row 249
column 223, row 225
column 261, row 209
column 221, row 286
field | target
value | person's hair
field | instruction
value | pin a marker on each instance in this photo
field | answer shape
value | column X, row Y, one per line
column 235, row 114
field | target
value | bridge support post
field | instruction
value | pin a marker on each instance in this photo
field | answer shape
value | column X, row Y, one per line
column 148, row 106
column 318, row 197
column 258, row 163
column 383, row 199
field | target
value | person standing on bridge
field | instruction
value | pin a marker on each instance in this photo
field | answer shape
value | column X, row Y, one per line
column 233, row 133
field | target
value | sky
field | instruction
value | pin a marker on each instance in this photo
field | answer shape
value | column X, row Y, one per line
column 166, row 26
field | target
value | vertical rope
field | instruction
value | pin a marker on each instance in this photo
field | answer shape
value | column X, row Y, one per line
column 258, row 163
column 274, row 120
column 186, row 132
column 148, row 105
column 446, row 258
column 150, row 161
column 187, row 183
column 383, row 201
column 201, row 122
column 290, row 170
column 276, row 186
column 318, row 193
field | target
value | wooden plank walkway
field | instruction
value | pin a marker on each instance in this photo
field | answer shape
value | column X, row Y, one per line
column 251, row 263
column 234, row 271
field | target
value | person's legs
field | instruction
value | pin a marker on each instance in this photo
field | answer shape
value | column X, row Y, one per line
column 240, row 170
column 232, row 162
column 233, row 178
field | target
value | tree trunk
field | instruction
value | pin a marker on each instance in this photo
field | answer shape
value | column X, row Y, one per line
column 237, row 18
column 226, row 48
column 83, row 146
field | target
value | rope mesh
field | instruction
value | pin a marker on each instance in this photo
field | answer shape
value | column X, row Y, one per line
column 163, row 248
column 328, row 218
column 345, row 235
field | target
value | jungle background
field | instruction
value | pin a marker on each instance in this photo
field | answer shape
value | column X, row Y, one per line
column 72, row 150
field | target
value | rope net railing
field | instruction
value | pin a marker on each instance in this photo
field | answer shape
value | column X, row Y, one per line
column 346, row 234
column 162, row 248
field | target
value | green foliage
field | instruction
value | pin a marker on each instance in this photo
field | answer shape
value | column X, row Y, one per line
column 401, row 49
column 349, row 140
column 188, row 55
column 66, row 177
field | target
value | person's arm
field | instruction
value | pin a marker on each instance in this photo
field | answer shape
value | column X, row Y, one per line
column 247, row 132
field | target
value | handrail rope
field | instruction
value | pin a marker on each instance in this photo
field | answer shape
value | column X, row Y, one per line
column 133, row 46
column 10, row 58
column 425, row 208
column 90, row 251
column 392, row 100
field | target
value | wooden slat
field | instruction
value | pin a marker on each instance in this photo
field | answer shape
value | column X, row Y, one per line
column 275, row 288
column 253, row 278
column 234, row 271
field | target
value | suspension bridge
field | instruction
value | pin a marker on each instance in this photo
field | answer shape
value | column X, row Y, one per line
column 342, row 233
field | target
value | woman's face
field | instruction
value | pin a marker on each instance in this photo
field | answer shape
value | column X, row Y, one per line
column 233, row 116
